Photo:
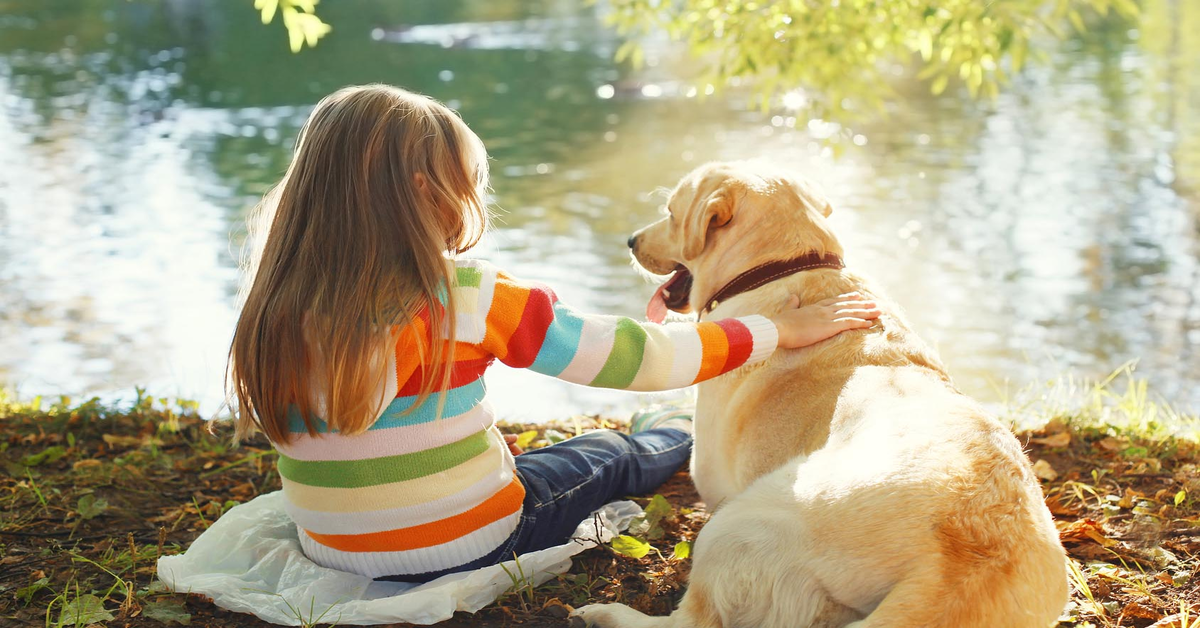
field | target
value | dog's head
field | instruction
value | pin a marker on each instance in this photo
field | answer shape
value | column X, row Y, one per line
column 724, row 218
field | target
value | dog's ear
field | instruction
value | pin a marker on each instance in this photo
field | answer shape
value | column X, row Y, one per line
column 710, row 212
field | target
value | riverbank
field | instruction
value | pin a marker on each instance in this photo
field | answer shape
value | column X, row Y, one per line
column 92, row 495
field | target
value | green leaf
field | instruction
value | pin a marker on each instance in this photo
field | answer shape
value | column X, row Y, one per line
column 939, row 84
column 925, row 44
column 658, row 509
column 1180, row 496
column 267, row 8
column 84, row 610
column 625, row 50
column 525, row 438
column 1136, row 452
column 295, row 33
column 89, row 507
column 1076, row 20
column 626, row 545
column 25, row 594
column 1127, row 8
column 49, row 454
column 928, row 71
column 554, row 436
column 312, row 27
column 168, row 611
column 683, row 549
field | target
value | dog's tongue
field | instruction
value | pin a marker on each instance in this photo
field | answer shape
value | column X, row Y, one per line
column 672, row 295
column 656, row 309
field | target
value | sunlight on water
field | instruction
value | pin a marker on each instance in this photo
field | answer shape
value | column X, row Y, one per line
column 1054, row 228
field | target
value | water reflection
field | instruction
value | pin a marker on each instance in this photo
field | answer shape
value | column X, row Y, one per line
column 1056, row 227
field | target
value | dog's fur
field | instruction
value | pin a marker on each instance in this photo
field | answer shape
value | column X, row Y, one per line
column 853, row 485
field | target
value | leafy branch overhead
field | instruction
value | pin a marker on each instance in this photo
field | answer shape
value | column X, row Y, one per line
column 843, row 52
column 299, row 17
column 825, row 57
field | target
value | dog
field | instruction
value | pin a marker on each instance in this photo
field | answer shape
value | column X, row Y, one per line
column 853, row 485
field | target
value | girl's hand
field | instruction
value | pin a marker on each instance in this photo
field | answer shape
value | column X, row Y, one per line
column 808, row 325
column 511, row 441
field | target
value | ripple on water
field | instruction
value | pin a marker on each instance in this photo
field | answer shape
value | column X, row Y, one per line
column 1045, row 231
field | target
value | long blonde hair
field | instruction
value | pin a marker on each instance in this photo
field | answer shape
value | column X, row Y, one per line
column 351, row 247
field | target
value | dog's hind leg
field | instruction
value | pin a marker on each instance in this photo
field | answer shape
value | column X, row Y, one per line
column 915, row 603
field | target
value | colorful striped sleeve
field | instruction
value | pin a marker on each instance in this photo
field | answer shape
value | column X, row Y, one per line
column 528, row 327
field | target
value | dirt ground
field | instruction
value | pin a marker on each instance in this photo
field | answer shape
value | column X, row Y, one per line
column 92, row 496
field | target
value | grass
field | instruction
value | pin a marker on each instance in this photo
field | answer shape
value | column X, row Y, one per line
column 94, row 494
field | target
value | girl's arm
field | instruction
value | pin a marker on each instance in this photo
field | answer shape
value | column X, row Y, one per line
column 528, row 327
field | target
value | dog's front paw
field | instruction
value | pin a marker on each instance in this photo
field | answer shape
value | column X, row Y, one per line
column 595, row 616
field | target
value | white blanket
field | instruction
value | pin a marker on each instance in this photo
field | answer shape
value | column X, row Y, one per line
column 250, row 561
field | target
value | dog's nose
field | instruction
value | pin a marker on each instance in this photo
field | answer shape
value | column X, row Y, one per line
column 631, row 241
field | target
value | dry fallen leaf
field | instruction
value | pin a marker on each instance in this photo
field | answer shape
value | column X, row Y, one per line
column 555, row 607
column 115, row 440
column 1043, row 470
column 1130, row 498
column 1133, row 609
column 1061, row 439
column 1058, row 508
column 1078, row 531
column 86, row 464
column 1055, row 425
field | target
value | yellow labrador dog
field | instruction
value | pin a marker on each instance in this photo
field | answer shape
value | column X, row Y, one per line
column 854, row 485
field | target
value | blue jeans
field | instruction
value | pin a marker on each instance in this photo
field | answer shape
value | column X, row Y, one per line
column 565, row 482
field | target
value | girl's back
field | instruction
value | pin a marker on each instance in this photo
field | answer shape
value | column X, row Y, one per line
column 362, row 344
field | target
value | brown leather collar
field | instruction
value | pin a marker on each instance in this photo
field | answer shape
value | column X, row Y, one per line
column 766, row 273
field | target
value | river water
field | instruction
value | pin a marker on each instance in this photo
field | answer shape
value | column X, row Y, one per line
column 1055, row 228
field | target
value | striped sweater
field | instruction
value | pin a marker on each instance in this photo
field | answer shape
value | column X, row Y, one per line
column 419, row 493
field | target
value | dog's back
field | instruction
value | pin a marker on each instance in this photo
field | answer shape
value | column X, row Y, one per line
column 864, row 443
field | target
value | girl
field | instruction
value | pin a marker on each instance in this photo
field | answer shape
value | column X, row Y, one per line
column 363, row 340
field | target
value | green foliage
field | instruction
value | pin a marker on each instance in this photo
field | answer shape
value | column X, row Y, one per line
column 81, row 611
column 648, row 527
column 833, row 56
column 525, row 439
column 25, row 594
column 89, row 507
column 649, row 524
column 553, row 436
column 36, row 489
column 299, row 17
column 523, row 585
column 168, row 612
column 1121, row 404
column 632, row 547
column 47, row 455
column 311, row 619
